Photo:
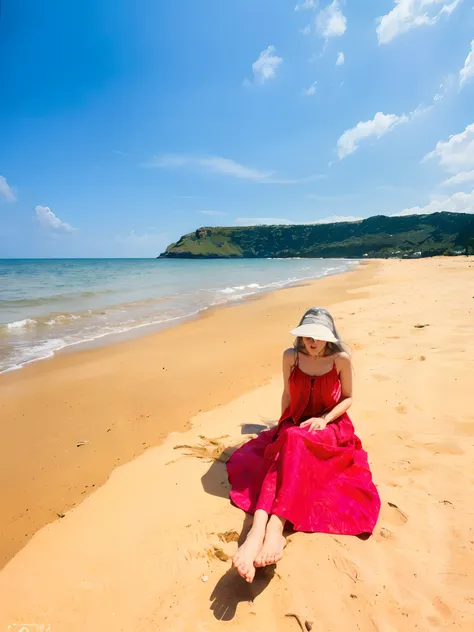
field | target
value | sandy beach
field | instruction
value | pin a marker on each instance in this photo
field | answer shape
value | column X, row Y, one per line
column 115, row 511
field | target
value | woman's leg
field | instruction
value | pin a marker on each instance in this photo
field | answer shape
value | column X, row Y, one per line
column 274, row 543
column 245, row 557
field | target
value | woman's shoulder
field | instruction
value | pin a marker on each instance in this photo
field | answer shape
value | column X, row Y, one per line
column 289, row 354
column 289, row 357
column 342, row 359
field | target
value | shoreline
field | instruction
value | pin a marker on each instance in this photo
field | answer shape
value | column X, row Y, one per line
column 123, row 559
column 101, row 395
column 148, row 328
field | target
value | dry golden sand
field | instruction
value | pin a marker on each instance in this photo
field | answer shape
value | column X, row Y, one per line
column 134, row 553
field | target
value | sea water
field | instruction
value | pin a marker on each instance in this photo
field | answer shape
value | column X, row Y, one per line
column 49, row 304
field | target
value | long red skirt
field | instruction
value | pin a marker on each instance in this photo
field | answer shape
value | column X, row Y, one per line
column 320, row 482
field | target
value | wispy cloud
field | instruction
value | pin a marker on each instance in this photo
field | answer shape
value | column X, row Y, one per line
column 467, row 72
column 331, row 22
column 306, row 4
column 266, row 66
column 410, row 14
column 457, row 153
column 5, row 191
column 309, row 92
column 212, row 213
column 333, row 198
column 51, row 222
column 212, row 164
column 225, row 167
column 340, row 59
column 458, row 203
column 377, row 127
column 459, row 179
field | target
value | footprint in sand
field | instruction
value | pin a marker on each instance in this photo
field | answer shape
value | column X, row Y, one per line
column 464, row 428
column 380, row 378
column 393, row 514
column 443, row 448
column 347, row 567
column 386, row 534
column 441, row 608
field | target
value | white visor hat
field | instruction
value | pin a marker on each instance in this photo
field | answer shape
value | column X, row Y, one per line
column 315, row 331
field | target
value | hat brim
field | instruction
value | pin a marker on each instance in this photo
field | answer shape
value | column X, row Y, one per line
column 317, row 332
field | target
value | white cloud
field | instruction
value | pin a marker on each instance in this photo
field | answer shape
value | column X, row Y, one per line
column 331, row 22
column 460, row 178
column 49, row 220
column 377, row 127
column 409, row 14
column 309, row 92
column 340, row 59
column 457, row 203
column 266, row 65
column 457, row 153
column 306, row 30
column 468, row 71
column 5, row 191
column 306, row 4
column 213, row 213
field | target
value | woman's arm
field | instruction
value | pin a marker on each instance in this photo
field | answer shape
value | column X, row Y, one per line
column 344, row 367
column 288, row 362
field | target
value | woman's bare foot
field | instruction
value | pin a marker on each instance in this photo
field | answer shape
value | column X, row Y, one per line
column 245, row 557
column 274, row 543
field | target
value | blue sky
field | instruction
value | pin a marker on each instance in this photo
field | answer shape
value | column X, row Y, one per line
column 124, row 125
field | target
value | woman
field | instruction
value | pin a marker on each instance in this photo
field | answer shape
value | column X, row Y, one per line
column 311, row 469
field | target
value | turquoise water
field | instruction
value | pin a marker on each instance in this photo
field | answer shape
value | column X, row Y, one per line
column 46, row 305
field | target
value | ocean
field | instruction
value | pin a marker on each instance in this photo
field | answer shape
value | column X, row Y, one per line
column 49, row 304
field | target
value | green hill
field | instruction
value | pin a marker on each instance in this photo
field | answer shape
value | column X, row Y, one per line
column 379, row 236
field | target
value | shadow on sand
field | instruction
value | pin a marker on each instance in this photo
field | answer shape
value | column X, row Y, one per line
column 231, row 589
column 215, row 481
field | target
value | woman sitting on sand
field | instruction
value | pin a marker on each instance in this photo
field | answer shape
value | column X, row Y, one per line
column 311, row 470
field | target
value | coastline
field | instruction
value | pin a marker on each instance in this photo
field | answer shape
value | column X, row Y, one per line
column 128, row 396
column 123, row 559
column 130, row 300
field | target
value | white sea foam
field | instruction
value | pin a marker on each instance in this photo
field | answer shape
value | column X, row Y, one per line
column 62, row 318
column 21, row 324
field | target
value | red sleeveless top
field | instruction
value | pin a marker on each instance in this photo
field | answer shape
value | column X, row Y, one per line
column 311, row 396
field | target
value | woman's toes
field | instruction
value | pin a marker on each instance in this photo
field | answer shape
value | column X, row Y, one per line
column 249, row 574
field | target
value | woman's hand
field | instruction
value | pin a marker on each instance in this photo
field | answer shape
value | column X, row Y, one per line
column 314, row 424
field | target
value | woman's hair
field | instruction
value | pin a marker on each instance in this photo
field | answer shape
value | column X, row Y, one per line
column 321, row 316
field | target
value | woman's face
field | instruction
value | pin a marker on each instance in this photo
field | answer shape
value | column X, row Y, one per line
column 314, row 347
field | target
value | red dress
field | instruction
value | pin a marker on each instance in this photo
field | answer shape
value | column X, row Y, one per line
column 321, row 481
